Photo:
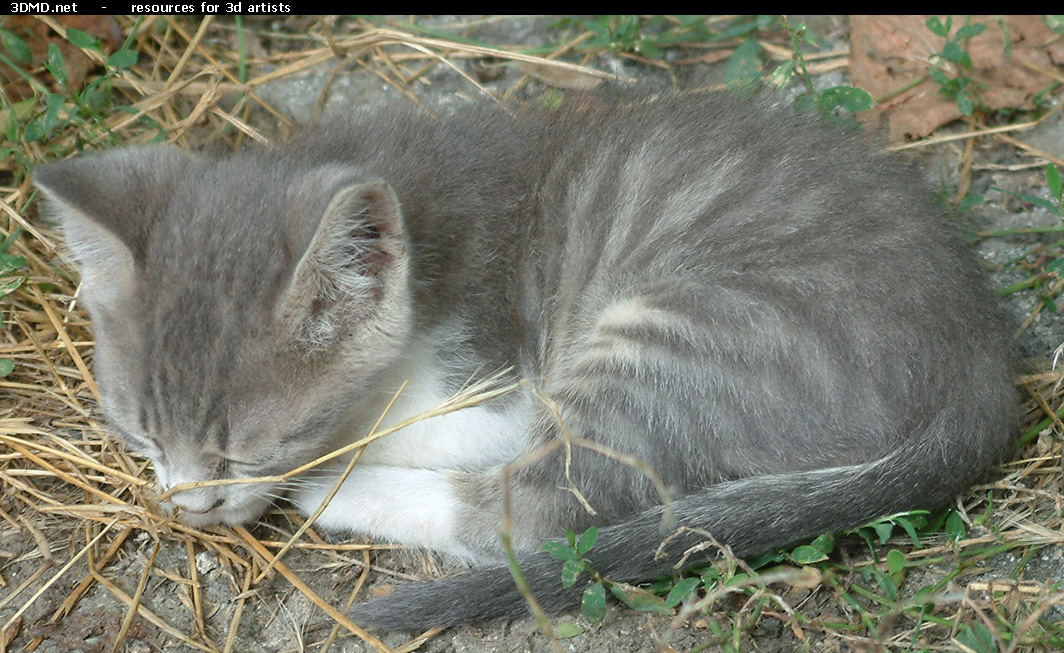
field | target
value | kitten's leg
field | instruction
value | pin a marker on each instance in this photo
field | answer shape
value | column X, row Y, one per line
column 461, row 512
column 568, row 488
column 418, row 507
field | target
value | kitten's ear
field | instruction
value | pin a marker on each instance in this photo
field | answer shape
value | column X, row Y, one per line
column 352, row 262
column 106, row 204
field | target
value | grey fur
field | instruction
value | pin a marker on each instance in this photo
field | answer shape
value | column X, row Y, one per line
column 771, row 316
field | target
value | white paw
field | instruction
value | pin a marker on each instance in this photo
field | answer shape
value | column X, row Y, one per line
column 416, row 507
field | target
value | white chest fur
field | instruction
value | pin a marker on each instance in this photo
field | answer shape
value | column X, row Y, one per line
column 402, row 487
column 473, row 438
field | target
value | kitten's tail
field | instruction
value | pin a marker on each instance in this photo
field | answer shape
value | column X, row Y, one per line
column 753, row 516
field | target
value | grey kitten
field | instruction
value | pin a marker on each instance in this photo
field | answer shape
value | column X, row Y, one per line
column 770, row 316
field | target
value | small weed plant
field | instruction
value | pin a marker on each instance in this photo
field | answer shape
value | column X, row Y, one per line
column 50, row 110
column 877, row 582
column 1040, row 283
column 743, row 71
column 950, row 66
column 12, row 275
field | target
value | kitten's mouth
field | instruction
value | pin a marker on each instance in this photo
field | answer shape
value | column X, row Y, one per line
column 195, row 519
column 209, row 517
column 223, row 512
column 201, row 511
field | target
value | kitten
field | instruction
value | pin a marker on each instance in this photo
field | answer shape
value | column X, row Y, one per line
column 768, row 315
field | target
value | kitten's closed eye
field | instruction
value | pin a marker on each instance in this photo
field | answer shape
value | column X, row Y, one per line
column 139, row 443
column 242, row 463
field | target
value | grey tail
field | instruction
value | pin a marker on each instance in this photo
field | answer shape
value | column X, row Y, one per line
column 753, row 516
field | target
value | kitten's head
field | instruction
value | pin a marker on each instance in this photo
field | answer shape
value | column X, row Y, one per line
column 241, row 308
